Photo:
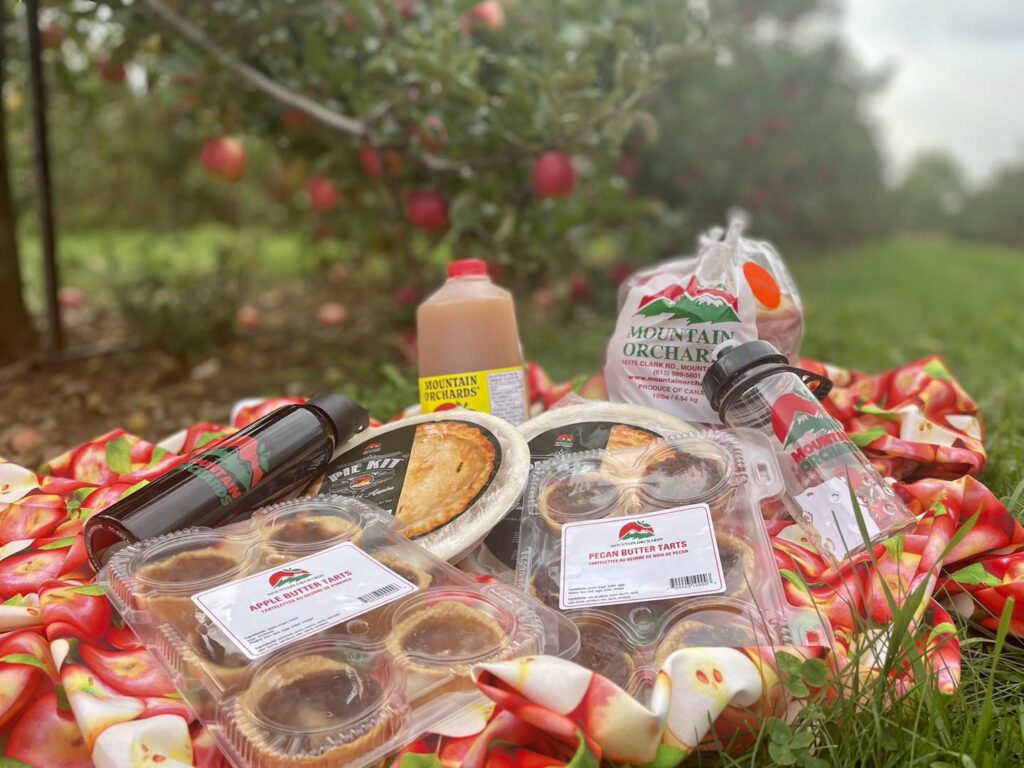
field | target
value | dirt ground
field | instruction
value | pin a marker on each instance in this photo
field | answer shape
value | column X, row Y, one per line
column 49, row 406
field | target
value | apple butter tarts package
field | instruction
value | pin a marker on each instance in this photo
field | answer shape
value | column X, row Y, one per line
column 315, row 635
column 657, row 548
column 447, row 477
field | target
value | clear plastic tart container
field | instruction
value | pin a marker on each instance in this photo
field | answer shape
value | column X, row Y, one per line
column 448, row 478
column 315, row 635
column 660, row 547
column 574, row 428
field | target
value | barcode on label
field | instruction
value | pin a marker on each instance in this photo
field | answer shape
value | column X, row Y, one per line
column 693, row 580
column 377, row 594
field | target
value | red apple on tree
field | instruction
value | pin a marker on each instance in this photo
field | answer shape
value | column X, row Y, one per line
column 293, row 118
column 322, row 193
column 406, row 295
column 427, row 210
column 488, row 14
column 579, row 288
column 112, row 72
column 224, row 157
column 554, row 175
column 377, row 163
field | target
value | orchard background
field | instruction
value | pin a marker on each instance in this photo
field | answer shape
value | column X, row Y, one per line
column 253, row 195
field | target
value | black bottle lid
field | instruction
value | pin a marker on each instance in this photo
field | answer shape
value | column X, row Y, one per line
column 732, row 363
column 742, row 366
column 347, row 416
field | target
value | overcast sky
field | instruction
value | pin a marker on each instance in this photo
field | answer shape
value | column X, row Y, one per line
column 958, row 76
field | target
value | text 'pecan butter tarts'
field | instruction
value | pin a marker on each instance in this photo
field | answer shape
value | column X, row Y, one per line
column 447, row 478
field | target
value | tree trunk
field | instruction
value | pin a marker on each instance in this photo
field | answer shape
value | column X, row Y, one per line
column 17, row 334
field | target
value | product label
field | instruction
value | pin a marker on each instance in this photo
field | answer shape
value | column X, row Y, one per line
column 833, row 516
column 826, row 463
column 232, row 468
column 379, row 469
column 276, row 607
column 668, row 333
column 503, row 540
column 501, row 391
column 656, row 556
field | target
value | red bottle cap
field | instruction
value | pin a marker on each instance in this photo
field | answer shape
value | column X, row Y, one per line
column 467, row 268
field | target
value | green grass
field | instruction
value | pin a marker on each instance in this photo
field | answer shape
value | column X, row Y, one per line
column 87, row 259
column 881, row 305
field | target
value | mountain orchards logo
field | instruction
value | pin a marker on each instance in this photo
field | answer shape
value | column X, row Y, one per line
column 287, row 576
column 564, row 441
column 636, row 530
column 232, row 467
column 691, row 303
column 794, row 417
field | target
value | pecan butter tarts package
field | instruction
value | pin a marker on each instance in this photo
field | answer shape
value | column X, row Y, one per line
column 573, row 428
column 315, row 635
column 447, row 477
column 659, row 547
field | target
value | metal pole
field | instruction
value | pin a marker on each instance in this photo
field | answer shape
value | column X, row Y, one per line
column 54, row 326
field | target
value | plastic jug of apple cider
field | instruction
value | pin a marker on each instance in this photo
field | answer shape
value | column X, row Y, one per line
column 469, row 350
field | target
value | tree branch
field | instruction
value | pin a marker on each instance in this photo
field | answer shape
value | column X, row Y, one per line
column 254, row 77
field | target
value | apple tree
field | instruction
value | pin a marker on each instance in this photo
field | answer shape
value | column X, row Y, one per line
column 415, row 130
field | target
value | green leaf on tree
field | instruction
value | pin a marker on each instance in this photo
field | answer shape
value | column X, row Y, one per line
column 119, row 455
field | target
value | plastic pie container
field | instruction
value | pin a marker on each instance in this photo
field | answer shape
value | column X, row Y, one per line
column 315, row 635
column 660, row 548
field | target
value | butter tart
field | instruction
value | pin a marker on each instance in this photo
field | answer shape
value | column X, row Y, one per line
column 578, row 496
column 440, row 641
column 174, row 573
column 712, row 627
column 305, row 530
column 451, row 463
column 603, row 650
column 313, row 711
column 677, row 476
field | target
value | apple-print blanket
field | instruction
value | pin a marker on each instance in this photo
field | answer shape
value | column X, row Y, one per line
column 77, row 689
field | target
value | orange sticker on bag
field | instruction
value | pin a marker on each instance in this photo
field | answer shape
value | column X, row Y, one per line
column 761, row 282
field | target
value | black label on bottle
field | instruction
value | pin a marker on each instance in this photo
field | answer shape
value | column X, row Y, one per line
column 503, row 540
column 427, row 474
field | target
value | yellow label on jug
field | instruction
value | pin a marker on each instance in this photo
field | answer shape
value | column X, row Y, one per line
column 501, row 392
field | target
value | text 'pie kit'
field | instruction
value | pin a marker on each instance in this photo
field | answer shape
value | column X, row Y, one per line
column 315, row 635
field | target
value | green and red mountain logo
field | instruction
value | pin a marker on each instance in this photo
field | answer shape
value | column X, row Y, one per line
column 288, row 576
column 244, row 458
column 794, row 416
column 564, row 440
column 691, row 303
column 636, row 529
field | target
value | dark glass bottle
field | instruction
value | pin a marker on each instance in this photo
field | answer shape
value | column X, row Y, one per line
column 228, row 481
